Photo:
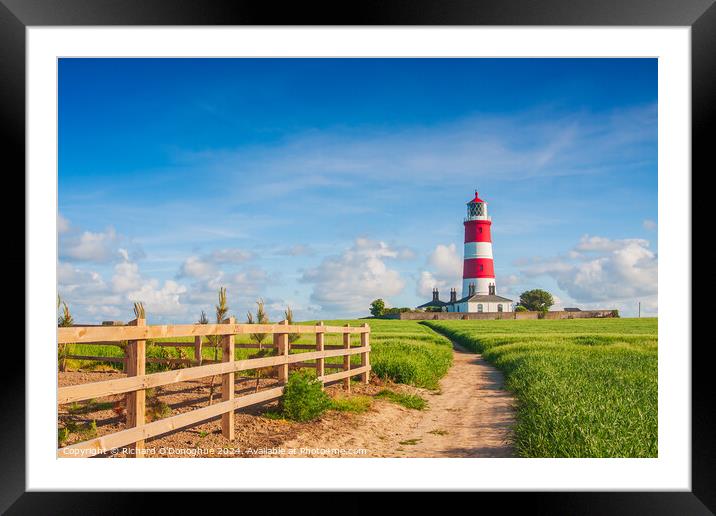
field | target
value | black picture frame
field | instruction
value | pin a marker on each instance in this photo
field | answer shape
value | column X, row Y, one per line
column 700, row 15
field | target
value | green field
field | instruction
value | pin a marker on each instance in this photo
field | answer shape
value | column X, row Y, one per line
column 585, row 388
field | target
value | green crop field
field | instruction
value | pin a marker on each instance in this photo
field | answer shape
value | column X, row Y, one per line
column 585, row 388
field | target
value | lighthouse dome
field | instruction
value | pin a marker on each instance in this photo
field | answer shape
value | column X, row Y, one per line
column 476, row 199
column 477, row 209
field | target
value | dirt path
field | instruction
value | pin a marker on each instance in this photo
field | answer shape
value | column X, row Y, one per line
column 470, row 416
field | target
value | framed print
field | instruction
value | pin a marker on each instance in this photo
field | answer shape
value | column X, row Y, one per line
column 425, row 249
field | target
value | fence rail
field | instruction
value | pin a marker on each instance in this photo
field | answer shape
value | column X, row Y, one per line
column 134, row 385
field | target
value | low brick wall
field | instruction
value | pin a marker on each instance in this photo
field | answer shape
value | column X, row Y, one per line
column 447, row 316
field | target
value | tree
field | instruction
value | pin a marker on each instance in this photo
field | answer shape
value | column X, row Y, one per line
column 288, row 315
column 63, row 320
column 260, row 318
column 377, row 308
column 536, row 300
column 221, row 310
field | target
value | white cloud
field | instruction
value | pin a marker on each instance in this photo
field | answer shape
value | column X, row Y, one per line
column 92, row 299
column 126, row 277
column 649, row 225
column 63, row 225
column 164, row 300
column 610, row 270
column 445, row 270
column 349, row 282
column 92, row 247
column 195, row 267
column 87, row 246
column 208, row 266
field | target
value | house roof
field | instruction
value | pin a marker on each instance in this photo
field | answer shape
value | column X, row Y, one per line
column 483, row 299
column 432, row 303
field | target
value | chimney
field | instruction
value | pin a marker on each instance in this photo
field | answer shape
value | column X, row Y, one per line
column 453, row 295
column 436, row 295
column 471, row 290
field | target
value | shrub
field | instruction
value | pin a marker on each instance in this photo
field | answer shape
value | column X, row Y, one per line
column 520, row 308
column 303, row 398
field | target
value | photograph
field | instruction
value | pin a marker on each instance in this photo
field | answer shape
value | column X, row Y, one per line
column 357, row 257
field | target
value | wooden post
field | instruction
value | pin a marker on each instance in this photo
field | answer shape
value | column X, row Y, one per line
column 347, row 360
column 320, row 346
column 135, row 359
column 364, row 357
column 197, row 350
column 281, row 342
column 227, row 382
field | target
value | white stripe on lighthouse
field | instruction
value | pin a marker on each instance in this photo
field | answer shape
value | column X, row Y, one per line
column 482, row 285
column 478, row 250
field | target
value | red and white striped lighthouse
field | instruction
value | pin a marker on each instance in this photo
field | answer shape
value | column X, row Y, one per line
column 478, row 272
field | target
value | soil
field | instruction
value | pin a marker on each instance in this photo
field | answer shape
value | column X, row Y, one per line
column 471, row 415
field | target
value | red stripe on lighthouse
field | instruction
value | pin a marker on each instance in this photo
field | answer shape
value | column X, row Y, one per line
column 478, row 268
column 477, row 231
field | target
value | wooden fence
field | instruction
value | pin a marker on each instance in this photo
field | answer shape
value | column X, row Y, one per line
column 134, row 336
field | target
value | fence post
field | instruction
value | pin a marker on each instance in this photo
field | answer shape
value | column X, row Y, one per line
column 227, row 382
column 347, row 360
column 320, row 346
column 281, row 342
column 197, row 350
column 364, row 357
column 135, row 360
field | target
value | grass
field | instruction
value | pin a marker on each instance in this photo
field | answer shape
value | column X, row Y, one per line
column 411, row 401
column 355, row 404
column 89, row 406
column 405, row 351
column 585, row 388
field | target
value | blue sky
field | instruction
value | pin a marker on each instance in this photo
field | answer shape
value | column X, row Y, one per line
column 325, row 183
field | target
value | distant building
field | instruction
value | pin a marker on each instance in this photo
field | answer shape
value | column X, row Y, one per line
column 478, row 273
column 572, row 309
column 435, row 304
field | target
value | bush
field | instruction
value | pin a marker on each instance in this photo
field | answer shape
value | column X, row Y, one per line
column 520, row 308
column 303, row 398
